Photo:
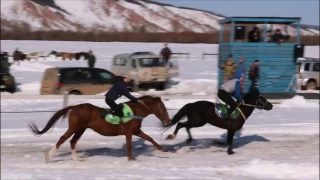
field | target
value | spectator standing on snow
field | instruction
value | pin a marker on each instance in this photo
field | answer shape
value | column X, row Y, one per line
column 166, row 53
column 91, row 59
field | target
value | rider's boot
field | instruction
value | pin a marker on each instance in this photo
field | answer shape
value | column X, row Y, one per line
column 228, row 116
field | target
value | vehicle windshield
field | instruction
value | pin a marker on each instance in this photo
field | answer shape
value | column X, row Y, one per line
column 151, row 62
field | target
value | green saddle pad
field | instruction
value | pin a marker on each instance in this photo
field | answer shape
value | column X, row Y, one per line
column 221, row 111
column 127, row 111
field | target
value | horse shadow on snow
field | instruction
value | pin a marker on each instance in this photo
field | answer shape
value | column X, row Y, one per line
column 139, row 146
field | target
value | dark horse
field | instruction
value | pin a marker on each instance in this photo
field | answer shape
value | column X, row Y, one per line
column 83, row 116
column 202, row 112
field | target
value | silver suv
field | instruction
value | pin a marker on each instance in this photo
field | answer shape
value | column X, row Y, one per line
column 308, row 76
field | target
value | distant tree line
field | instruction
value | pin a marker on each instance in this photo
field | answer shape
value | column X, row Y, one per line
column 138, row 36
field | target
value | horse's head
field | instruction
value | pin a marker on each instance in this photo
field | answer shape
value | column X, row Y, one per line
column 256, row 100
column 156, row 107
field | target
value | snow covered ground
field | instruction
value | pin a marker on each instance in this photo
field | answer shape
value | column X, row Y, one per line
column 197, row 76
column 279, row 144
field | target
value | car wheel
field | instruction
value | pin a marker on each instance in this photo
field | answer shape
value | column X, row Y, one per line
column 12, row 90
column 135, row 88
column 161, row 86
column 311, row 85
column 74, row 93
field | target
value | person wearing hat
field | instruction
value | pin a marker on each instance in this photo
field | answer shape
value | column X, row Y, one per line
column 118, row 89
column 229, row 68
column 229, row 89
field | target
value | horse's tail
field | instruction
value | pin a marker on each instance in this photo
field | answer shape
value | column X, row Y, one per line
column 61, row 113
column 181, row 114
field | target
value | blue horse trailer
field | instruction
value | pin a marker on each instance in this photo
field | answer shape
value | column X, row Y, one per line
column 277, row 61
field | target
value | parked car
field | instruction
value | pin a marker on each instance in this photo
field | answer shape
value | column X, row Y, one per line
column 145, row 69
column 76, row 80
column 7, row 81
column 308, row 73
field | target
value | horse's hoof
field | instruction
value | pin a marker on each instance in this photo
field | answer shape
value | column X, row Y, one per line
column 169, row 137
column 230, row 152
column 80, row 159
column 164, row 150
column 47, row 157
column 131, row 159
column 188, row 141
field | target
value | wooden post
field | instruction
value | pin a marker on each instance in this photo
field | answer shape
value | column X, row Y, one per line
column 65, row 99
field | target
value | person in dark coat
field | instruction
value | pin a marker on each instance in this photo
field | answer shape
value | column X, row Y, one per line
column 118, row 89
column 166, row 53
column 254, row 35
column 254, row 74
column 278, row 37
column 91, row 59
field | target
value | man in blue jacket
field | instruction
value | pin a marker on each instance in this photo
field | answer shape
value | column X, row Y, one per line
column 229, row 89
column 118, row 89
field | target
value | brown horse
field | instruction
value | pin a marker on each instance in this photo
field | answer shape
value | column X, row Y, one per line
column 86, row 115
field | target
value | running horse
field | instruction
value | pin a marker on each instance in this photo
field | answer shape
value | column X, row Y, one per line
column 202, row 112
column 83, row 116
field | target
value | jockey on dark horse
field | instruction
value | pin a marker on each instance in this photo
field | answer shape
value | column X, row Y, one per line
column 229, row 89
column 118, row 89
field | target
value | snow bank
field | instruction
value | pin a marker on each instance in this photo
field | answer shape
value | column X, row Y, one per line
column 30, row 88
column 298, row 101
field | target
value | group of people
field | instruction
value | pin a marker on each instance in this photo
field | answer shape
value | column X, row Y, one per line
column 277, row 37
column 231, row 69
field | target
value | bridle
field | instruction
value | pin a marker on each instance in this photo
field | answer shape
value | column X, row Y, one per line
column 256, row 104
column 159, row 107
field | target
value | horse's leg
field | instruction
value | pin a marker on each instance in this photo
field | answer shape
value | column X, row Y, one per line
column 174, row 134
column 230, row 141
column 73, row 143
column 129, row 146
column 190, row 137
column 144, row 136
column 62, row 139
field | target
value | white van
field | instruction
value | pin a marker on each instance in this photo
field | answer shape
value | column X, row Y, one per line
column 145, row 69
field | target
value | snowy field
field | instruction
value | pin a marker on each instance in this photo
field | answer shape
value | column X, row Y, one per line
column 279, row 144
column 197, row 76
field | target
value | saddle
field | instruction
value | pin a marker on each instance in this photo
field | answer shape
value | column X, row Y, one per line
column 221, row 111
column 110, row 116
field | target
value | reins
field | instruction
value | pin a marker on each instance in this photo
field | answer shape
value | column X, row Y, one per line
column 250, row 105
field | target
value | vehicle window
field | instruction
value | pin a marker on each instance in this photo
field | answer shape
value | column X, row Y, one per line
column 316, row 67
column 151, row 62
column 306, row 66
column 133, row 63
column 76, row 76
column 119, row 62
